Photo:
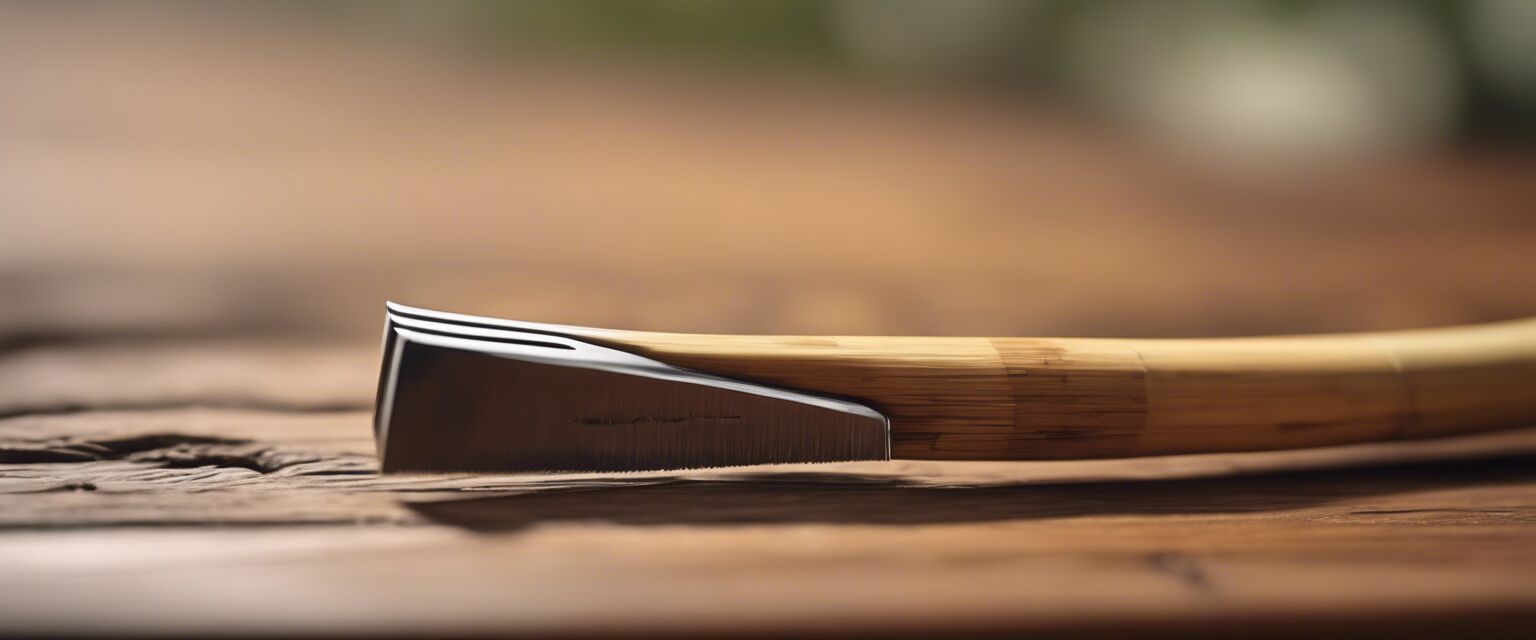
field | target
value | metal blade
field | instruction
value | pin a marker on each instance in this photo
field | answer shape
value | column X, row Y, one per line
column 467, row 397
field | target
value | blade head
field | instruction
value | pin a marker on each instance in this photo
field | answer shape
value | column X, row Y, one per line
column 456, row 398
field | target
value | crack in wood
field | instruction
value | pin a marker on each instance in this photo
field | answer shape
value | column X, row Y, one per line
column 83, row 450
column 244, row 405
column 259, row 459
column 164, row 450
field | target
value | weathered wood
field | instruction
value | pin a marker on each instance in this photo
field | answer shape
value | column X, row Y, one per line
column 1010, row 546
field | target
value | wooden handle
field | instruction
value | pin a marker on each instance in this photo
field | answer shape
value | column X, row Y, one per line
column 1025, row 398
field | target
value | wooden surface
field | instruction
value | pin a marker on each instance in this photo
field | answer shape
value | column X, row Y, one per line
column 258, row 521
column 200, row 225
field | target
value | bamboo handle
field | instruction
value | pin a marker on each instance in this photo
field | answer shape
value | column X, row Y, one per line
column 1023, row 398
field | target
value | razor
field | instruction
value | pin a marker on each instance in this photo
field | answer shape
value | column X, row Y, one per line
column 462, row 393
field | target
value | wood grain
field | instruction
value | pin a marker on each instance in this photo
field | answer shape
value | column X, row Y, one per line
column 192, row 522
column 1015, row 398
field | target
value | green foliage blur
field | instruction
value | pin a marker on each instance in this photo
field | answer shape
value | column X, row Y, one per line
column 1477, row 56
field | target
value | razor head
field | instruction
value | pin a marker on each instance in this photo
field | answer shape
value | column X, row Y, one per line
column 471, row 394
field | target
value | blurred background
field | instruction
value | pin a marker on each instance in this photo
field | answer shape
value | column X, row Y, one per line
column 1028, row 167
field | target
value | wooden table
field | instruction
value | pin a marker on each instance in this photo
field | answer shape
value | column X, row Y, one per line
column 235, row 518
column 191, row 277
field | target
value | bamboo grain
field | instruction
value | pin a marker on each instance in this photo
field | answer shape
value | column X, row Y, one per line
column 1061, row 398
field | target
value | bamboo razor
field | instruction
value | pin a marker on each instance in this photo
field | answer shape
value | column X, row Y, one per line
column 477, row 394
